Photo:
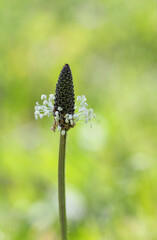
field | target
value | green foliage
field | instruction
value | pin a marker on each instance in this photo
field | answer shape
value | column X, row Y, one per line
column 110, row 169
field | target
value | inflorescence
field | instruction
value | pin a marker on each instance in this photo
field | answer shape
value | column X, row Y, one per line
column 62, row 105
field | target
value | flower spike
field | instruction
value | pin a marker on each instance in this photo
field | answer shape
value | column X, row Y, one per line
column 64, row 96
column 62, row 105
column 64, row 101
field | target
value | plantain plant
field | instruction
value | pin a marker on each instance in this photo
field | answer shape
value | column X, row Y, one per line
column 66, row 113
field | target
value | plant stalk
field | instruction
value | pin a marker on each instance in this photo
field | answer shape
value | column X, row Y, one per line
column 61, row 187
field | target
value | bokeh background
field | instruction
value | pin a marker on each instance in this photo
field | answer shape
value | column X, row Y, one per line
column 111, row 169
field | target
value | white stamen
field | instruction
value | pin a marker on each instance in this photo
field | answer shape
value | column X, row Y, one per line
column 36, row 117
column 70, row 116
column 56, row 113
column 59, row 128
column 60, row 109
column 78, row 98
column 45, row 102
column 63, row 132
column 82, row 112
column 66, row 120
column 43, row 97
column 37, row 112
column 51, row 97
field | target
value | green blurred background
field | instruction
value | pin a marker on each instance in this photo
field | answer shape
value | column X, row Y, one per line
column 111, row 169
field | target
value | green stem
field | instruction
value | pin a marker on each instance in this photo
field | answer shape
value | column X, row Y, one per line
column 61, row 187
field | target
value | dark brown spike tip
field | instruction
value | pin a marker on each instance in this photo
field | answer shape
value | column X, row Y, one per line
column 64, row 96
column 66, row 66
column 65, row 70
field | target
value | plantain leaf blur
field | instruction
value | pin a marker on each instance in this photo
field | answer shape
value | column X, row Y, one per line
column 111, row 169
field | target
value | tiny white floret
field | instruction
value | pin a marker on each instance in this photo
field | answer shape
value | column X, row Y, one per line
column 63, row 132
column 66, row 120
column 37, row 112
column 45, row 102
column 70, row 116
column 43, row 97
column 84, row 98
column 36, row 117
column 71, row 122
column 56, row 113
column 66, row 115
column 59, row 128
column 78, row 98
column 51, row 97
column 60, row 109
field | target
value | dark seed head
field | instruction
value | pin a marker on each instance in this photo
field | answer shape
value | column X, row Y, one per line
column 64, row 95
